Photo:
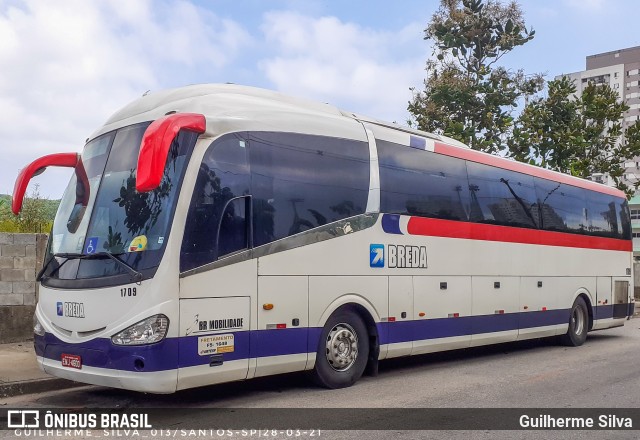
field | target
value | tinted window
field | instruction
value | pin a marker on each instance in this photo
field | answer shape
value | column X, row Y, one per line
column 300, row 182
column 604, row 215
column 223, row 175
column 501, row 197
column 421, row 183
column 562, row 207
column 233, row 234
column 625, row 219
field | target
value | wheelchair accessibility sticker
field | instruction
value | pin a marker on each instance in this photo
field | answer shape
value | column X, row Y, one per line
column 92, row 246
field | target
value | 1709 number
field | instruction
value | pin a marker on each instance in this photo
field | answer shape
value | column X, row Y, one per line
column 128, row 291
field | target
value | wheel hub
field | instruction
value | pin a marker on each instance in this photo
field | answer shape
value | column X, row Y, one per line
column 578, row 320
column 342, row 347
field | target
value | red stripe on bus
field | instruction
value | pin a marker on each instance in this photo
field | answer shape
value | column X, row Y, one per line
column 476, row 231
column 511, row 165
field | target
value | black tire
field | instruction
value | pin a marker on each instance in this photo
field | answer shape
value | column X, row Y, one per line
column 578, row 324
column 342, row 367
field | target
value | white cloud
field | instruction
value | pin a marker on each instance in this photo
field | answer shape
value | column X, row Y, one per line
column 359, row 69
column 68, row 65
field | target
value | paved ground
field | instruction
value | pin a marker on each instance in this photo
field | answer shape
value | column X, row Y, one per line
column 19, row 373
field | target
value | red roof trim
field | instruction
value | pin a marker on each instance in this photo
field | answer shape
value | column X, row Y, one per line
column 22, row 181
column 156, row 143
column 495, row 161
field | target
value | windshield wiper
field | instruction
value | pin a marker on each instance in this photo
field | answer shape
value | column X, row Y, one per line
column 66, row 256
column 135, row 275
column 44, row 267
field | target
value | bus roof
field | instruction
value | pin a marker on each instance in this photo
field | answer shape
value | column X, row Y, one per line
column 229, row 101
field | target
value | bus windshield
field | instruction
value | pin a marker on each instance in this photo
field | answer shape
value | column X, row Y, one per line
column 101, row 211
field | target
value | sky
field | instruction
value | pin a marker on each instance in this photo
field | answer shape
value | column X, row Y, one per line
column 66, row 66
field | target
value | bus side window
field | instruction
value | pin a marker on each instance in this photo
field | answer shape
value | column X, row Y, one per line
column 604, row 217
column 502, row 197
column 217, row 208
column 421, row 183
column 300, row 182
column 625, row 219
column 233, row 233
column 563, row 208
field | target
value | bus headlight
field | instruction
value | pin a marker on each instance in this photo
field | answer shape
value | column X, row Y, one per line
column 147, row 331
column 38, row 329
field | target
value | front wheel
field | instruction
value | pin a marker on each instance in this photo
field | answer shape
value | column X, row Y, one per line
column 343, row 351
column 578, row 324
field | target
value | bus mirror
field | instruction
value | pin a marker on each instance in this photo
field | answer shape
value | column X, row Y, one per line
column 156, row 143
column 77, row 213
column 37, row 167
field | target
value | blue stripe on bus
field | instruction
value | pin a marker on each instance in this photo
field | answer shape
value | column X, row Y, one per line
column 405, row 331
column 182, row 352
column 391, row 224
column 603, row 312
column 174, row 353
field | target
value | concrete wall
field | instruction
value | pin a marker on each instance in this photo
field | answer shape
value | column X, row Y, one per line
column 20, row 259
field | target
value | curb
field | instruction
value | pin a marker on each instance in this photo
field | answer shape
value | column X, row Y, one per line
column 13, row 389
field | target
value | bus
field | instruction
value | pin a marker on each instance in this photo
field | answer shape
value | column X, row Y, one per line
column 216, row 233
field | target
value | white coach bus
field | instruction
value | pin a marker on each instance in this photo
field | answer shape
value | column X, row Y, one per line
column 214, row 233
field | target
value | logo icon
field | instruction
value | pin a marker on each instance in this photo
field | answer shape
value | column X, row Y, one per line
column 60, row 308
column 23, row 419
column 92, row 245
column 376, row 255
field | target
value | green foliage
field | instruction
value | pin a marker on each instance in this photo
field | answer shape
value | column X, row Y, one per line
column 37, row 213
column 544, row 124
column 7, row 219
column 466, row 96
column 577, row 135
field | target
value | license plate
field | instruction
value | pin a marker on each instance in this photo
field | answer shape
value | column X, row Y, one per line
column 71, row 361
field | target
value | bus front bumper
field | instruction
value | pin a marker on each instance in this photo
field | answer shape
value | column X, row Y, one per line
column 161, row 382
column 147, row 368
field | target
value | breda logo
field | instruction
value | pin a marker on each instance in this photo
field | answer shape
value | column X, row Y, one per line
column 398, row 256
column 407, row 256
column 70, row 309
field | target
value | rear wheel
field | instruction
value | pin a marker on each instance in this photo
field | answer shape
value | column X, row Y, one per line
column 343, row 351
column 578, row 324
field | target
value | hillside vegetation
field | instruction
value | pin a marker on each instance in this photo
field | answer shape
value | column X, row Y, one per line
column 37, row 214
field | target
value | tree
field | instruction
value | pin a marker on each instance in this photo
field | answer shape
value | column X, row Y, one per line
column 466, row 95
column 34, row 217
column 7, row 219
column 579, row 135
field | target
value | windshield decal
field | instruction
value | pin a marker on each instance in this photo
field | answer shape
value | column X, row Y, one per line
column 92, row 245
column 138, row 244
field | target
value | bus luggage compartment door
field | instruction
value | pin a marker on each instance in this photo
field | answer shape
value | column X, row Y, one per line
column 621, row 298
column 214, row 340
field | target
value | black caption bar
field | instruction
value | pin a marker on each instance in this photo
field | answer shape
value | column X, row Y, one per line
column 323, row 418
